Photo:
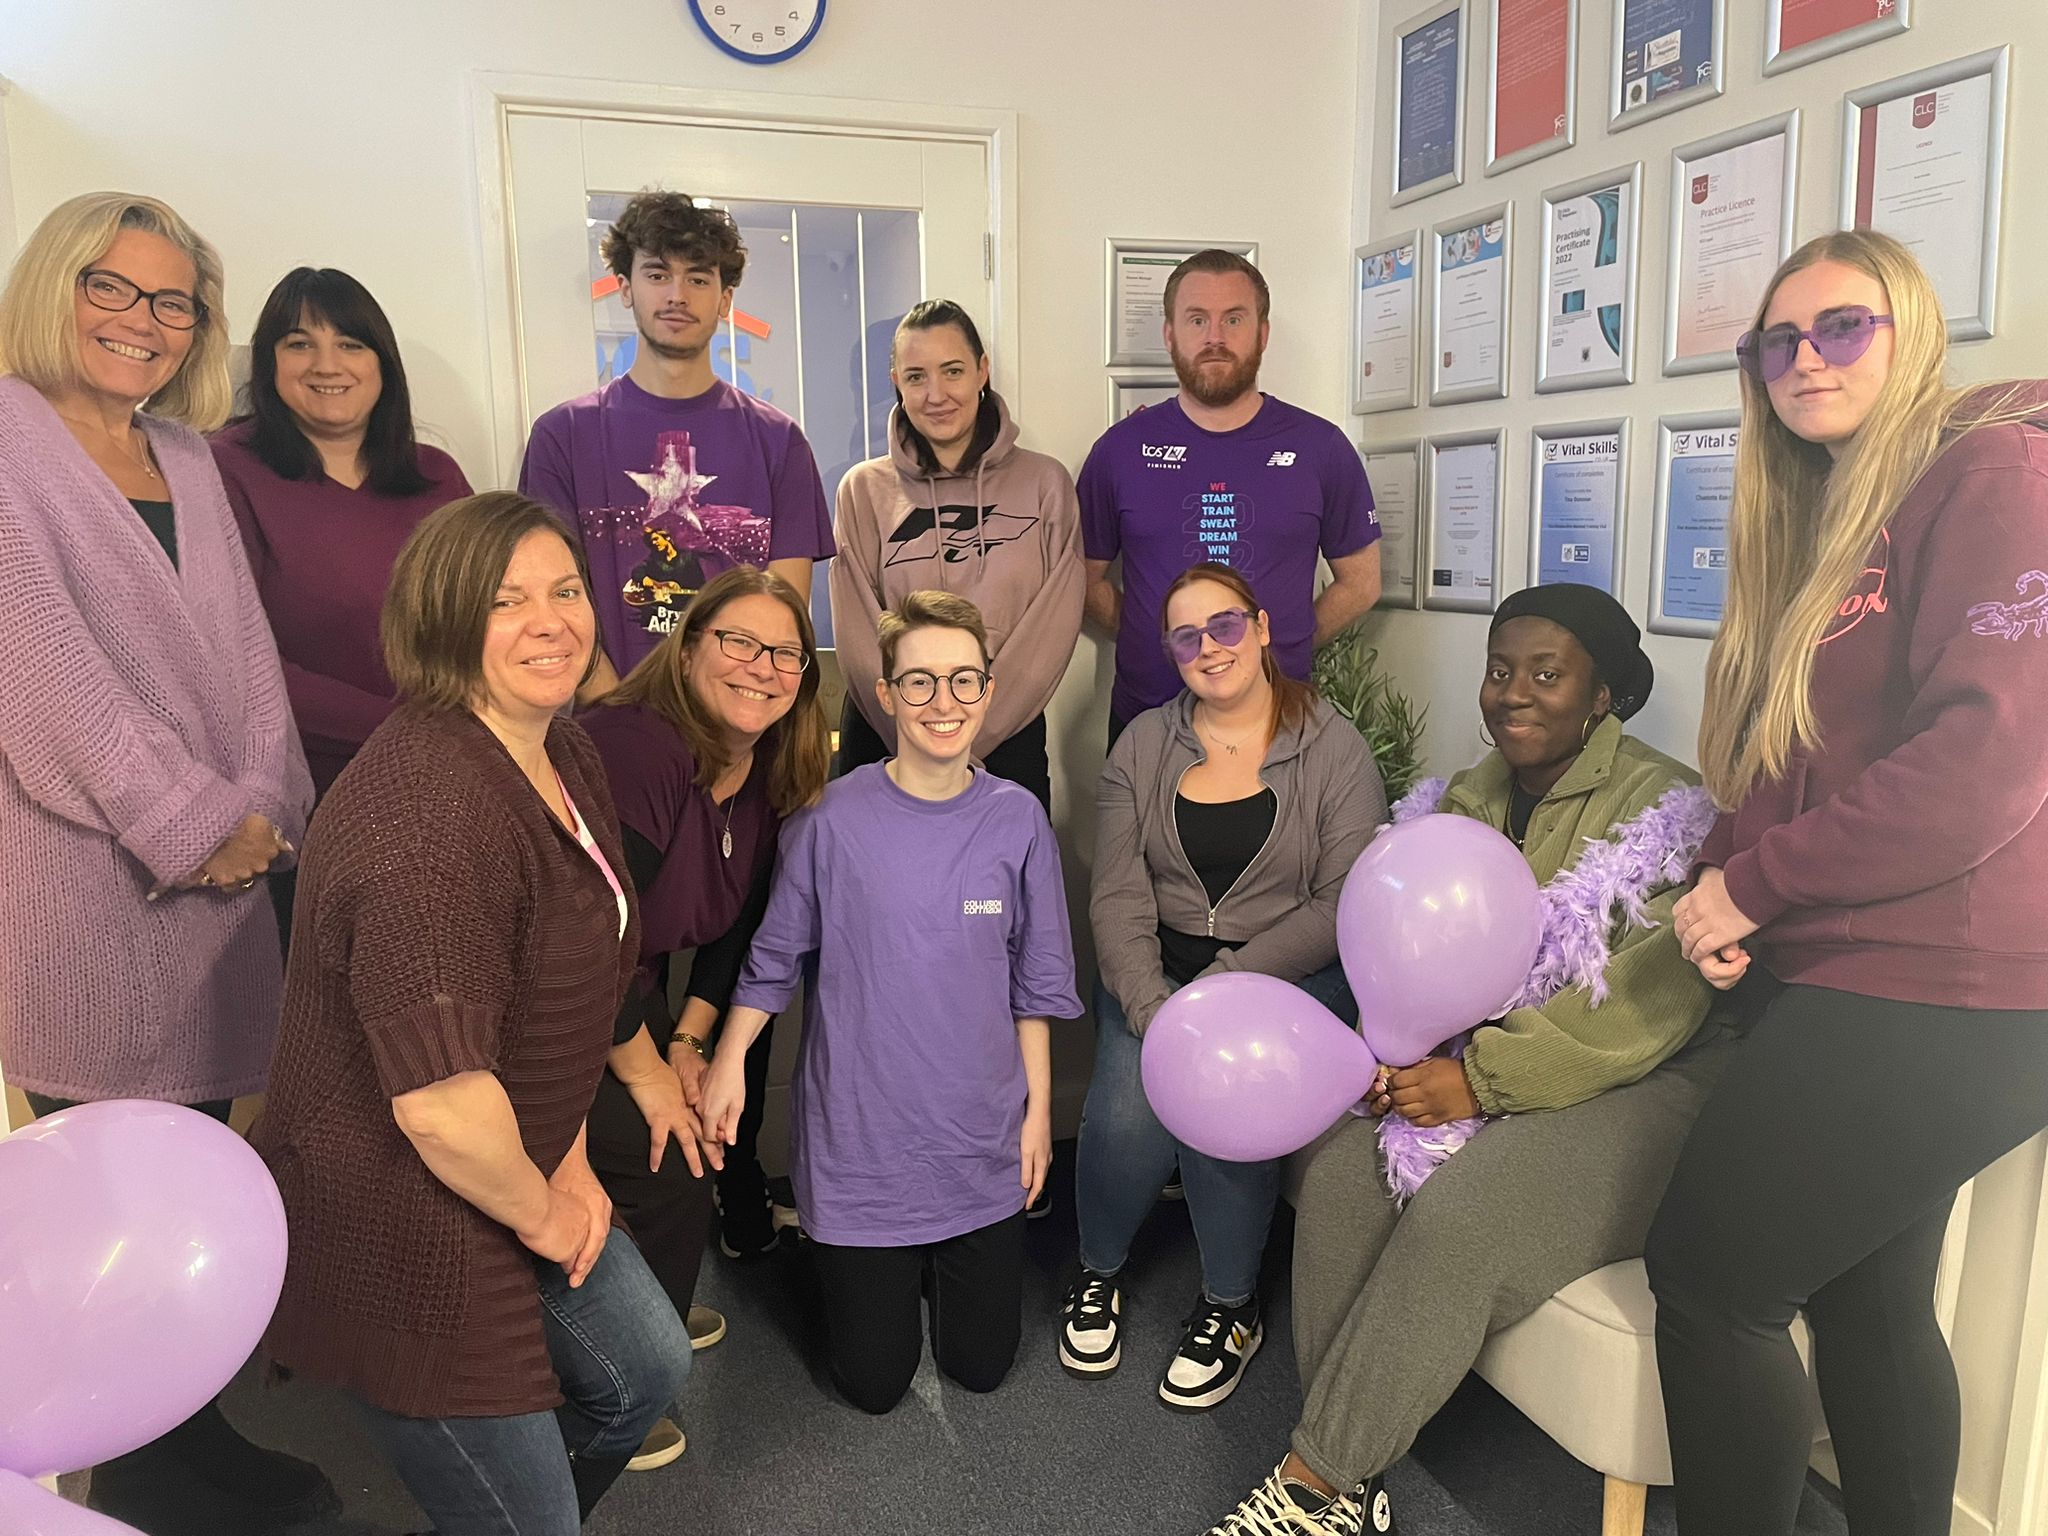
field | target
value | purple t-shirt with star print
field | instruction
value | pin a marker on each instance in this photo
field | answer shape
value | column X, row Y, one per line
column 665, row 494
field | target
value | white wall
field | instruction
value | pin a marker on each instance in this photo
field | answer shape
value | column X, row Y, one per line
column 2002, row 1312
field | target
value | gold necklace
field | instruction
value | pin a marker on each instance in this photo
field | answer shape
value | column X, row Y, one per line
column 1231, row 746
column 140, row 461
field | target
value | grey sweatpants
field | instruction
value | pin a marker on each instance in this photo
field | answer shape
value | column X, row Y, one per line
column 1391, row 1306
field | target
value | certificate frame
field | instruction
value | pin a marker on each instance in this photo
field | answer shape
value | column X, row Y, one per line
column 1432, row 448
column 1411, row 448
column 1668, row 427
column 1122, row 385
column 1778, row 58
column 1618, row 428
column 1621, row 115
column 1785, row 125
column 1455, row 176
column 1115, row 248
column 1624, row 371
column 1495, row 388
column 1361, row 403
column 1568, row 135
column 1994, row 63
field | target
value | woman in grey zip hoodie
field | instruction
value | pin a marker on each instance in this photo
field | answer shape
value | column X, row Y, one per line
column 1226, row 822
column 956, row 506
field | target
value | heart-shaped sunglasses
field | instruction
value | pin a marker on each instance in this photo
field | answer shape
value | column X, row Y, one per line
column 1840, row 336
column 1226, row 627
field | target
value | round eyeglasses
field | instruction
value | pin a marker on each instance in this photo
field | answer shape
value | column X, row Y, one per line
column 917, row 686
column 793, row 659
column 174, row 308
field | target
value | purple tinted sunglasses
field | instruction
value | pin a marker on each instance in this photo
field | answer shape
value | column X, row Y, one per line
column 1840, row 336
column 1226, row 628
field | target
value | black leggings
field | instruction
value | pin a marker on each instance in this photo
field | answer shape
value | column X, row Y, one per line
column 1022, row 759
column 1819, row 1178
column 872, row 1300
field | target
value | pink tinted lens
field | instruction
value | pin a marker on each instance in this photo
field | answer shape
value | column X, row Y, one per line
column 1226, row 628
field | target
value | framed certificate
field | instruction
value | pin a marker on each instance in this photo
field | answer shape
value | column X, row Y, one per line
column 1666, row 55
column 1136, row 286
column 1532, row 81
column 1462, row 489
column 1590, row 230
column 1797, row 32
column 1923, row 161
column 1732, row 202
column 1386, row 331
column 1395, row 470
column 1130, row 393
column 1689, row 542
column 1578, row 482
column 1429, row 102
column 1468, row 306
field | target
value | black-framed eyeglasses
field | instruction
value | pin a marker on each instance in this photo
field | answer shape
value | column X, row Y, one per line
column 917, row 686
column 1226, row 627
column 174, row 308
column 793, row 659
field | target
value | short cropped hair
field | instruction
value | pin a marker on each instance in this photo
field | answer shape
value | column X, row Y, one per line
column 929, row 610
column 38, row 314
column 442, row 587
column 1220, row 264
column 673, row 224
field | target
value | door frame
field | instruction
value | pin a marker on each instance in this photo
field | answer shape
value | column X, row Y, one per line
column 495, row 96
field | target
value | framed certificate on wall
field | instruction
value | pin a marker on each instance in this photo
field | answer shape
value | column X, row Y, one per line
column 1532, row 81
column 1395, row 470
column 1924, row 162
column 1135, row 282
column 1578, row 486
column 1462, row 486
column 1590, row 230
column 1689, row 535
column 1732, row 202
column 1429, row 102
column 1386, row 329
column 1130, row 393
column 1799, row 31
column 1666, row 55
column 1468, row 306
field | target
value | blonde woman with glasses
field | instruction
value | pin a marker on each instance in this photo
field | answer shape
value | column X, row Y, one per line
column 1875, row 736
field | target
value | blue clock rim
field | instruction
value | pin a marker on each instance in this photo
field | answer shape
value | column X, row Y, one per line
column 705, row 25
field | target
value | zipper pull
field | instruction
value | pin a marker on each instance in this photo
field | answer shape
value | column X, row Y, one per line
column 1212, row 922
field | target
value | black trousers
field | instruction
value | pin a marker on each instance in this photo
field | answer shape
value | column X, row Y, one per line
column 1819, row 1177
column 1022, row 759
column 872, row 1300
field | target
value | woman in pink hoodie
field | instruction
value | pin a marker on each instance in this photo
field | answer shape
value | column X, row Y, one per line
column 957, row 506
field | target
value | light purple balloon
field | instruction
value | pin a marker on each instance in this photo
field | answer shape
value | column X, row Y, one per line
column 1247, row 1067
column 142, row 1248
column 1438, row 924
column 29, row 1509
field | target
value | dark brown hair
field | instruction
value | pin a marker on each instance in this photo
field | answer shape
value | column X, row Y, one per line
column 442, row 587
column 929, row 610
column 798, row 745
column 988, row 419
column 1292, row 699
column 1220, row 264
column 667, row 224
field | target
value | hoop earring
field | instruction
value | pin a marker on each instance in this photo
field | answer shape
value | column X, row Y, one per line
column 1586, row 731
column 1491, row 744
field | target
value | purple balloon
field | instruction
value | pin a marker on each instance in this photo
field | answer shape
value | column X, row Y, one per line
column 1248, row 1067
column 29, row 1509
column 142, row 1248
column 1438, row 925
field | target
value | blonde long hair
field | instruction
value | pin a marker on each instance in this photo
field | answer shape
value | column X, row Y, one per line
column 1802, row 524
column 38, row 328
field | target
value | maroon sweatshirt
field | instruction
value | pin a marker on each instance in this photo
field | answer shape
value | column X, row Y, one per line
column 1906, row 856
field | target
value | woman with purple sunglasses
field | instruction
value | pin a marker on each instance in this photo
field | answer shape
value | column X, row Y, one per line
column 1226, row 821
column 1878, row 876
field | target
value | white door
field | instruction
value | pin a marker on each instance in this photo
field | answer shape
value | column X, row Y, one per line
column 845, row 230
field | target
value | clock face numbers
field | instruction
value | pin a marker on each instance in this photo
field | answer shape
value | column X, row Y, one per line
column 760, row 31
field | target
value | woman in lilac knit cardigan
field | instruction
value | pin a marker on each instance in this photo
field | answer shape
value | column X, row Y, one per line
column 149, row 772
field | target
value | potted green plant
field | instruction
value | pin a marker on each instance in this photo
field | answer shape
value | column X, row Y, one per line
column 1346, row 672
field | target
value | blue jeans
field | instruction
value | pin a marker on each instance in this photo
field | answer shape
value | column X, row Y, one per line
column 1125, row 1156
column 622, row 1355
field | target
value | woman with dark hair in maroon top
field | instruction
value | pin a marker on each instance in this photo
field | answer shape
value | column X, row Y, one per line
column 709, row 743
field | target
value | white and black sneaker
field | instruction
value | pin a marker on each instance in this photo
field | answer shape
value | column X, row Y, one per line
column 1091, row 1327
column 1219, row 1343
column 1281, row 1506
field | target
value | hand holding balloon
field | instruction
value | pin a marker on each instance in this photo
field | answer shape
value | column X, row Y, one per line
column 1433, row 1092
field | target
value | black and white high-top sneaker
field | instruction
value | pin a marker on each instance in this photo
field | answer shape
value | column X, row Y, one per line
column 1091, row 1327
column 1219, row 1342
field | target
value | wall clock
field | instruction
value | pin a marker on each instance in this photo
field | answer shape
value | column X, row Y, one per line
column 760, row 31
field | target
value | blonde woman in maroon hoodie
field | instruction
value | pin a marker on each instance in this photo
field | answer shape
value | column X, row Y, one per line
column 1875, row 734
column 957, row 506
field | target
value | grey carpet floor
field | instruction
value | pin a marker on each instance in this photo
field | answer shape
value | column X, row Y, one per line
column 773, row 1452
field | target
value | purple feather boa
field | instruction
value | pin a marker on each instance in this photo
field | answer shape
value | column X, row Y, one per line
column 1609, row 885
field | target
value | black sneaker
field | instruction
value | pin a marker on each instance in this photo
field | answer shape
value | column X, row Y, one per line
column 1218, row 1344
column 1041, row 1207
column 1171, row 1190
column 748, row 1231
column 1280, row 1506
column 1091, row 1328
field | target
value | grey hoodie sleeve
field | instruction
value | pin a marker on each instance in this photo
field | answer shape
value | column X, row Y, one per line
column 1338, row 768
column 1121, row 908
column 856, row 586
column 1040, row 644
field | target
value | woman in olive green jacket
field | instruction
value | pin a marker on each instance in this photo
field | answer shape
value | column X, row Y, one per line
column 1566, row 1112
